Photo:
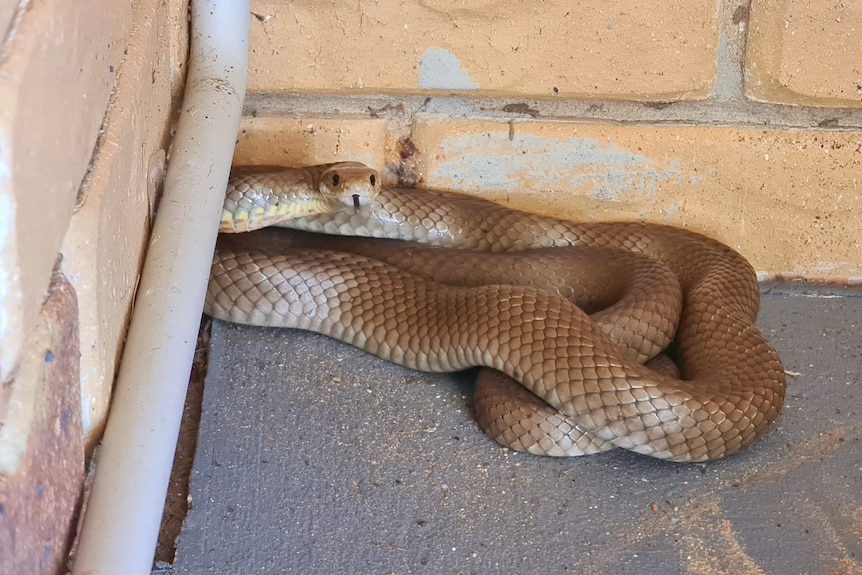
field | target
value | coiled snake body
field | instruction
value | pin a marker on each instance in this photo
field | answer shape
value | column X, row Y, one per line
column 583, row 387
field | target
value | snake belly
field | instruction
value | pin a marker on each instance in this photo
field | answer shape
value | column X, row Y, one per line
column 587, row 373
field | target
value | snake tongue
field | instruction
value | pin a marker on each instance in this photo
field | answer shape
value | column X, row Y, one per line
column 356, row 201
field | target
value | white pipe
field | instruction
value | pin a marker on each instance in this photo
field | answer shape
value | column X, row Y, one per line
column 121, row 522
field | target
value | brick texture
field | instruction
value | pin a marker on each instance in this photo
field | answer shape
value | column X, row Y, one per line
column 805, row 52
column 55, row 86
column 644, row 51
column 107, row 234
column 287, row 141
column 793, row 210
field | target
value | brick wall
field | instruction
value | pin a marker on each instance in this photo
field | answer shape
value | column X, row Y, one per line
column 86, row 101
column 741, row 120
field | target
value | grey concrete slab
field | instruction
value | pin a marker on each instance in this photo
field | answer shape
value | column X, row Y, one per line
column 317, row 458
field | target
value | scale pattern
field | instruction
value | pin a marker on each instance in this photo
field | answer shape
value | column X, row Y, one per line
column 731, row 386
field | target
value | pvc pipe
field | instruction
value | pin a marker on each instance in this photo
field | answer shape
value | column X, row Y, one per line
column 121, row 522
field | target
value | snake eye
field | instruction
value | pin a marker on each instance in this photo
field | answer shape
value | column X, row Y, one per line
column 373, row 179
column 335, row 179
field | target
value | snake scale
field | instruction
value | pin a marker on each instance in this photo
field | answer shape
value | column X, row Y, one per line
column 565, row 314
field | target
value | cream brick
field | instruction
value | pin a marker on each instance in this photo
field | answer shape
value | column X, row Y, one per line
column 644, row 51
column 291, row 141
column 805, row 52
column 789, row 200
column 104, row 246
column 55, row 85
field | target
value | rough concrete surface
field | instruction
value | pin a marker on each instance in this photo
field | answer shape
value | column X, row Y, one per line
column 317, row 458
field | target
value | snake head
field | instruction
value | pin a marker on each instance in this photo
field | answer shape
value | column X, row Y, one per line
column 350, row 183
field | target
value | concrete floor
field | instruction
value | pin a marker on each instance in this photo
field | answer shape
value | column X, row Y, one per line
column 317, row 458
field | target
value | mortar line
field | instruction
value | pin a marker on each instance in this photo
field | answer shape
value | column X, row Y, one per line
column 401, row 109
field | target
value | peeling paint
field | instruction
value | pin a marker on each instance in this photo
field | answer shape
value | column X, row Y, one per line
column 440, row 69
column 601, row 170
column 671, row 210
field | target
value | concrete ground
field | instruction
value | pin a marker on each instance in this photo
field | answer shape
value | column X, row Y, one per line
column 315, row 458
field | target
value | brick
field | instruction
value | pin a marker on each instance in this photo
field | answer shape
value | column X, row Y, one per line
column 645, row 51
column 805, row 52
column 291, row 141
column 789, row 200
column 104, row 246
column 57, row 78
column 41, row 451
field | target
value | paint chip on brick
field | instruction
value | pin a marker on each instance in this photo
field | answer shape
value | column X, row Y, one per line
column 748, row 187
column 493, row 160
column 660, row 51
column 440, row 69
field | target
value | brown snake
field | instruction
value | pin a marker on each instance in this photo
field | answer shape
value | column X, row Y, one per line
column 429, row 309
